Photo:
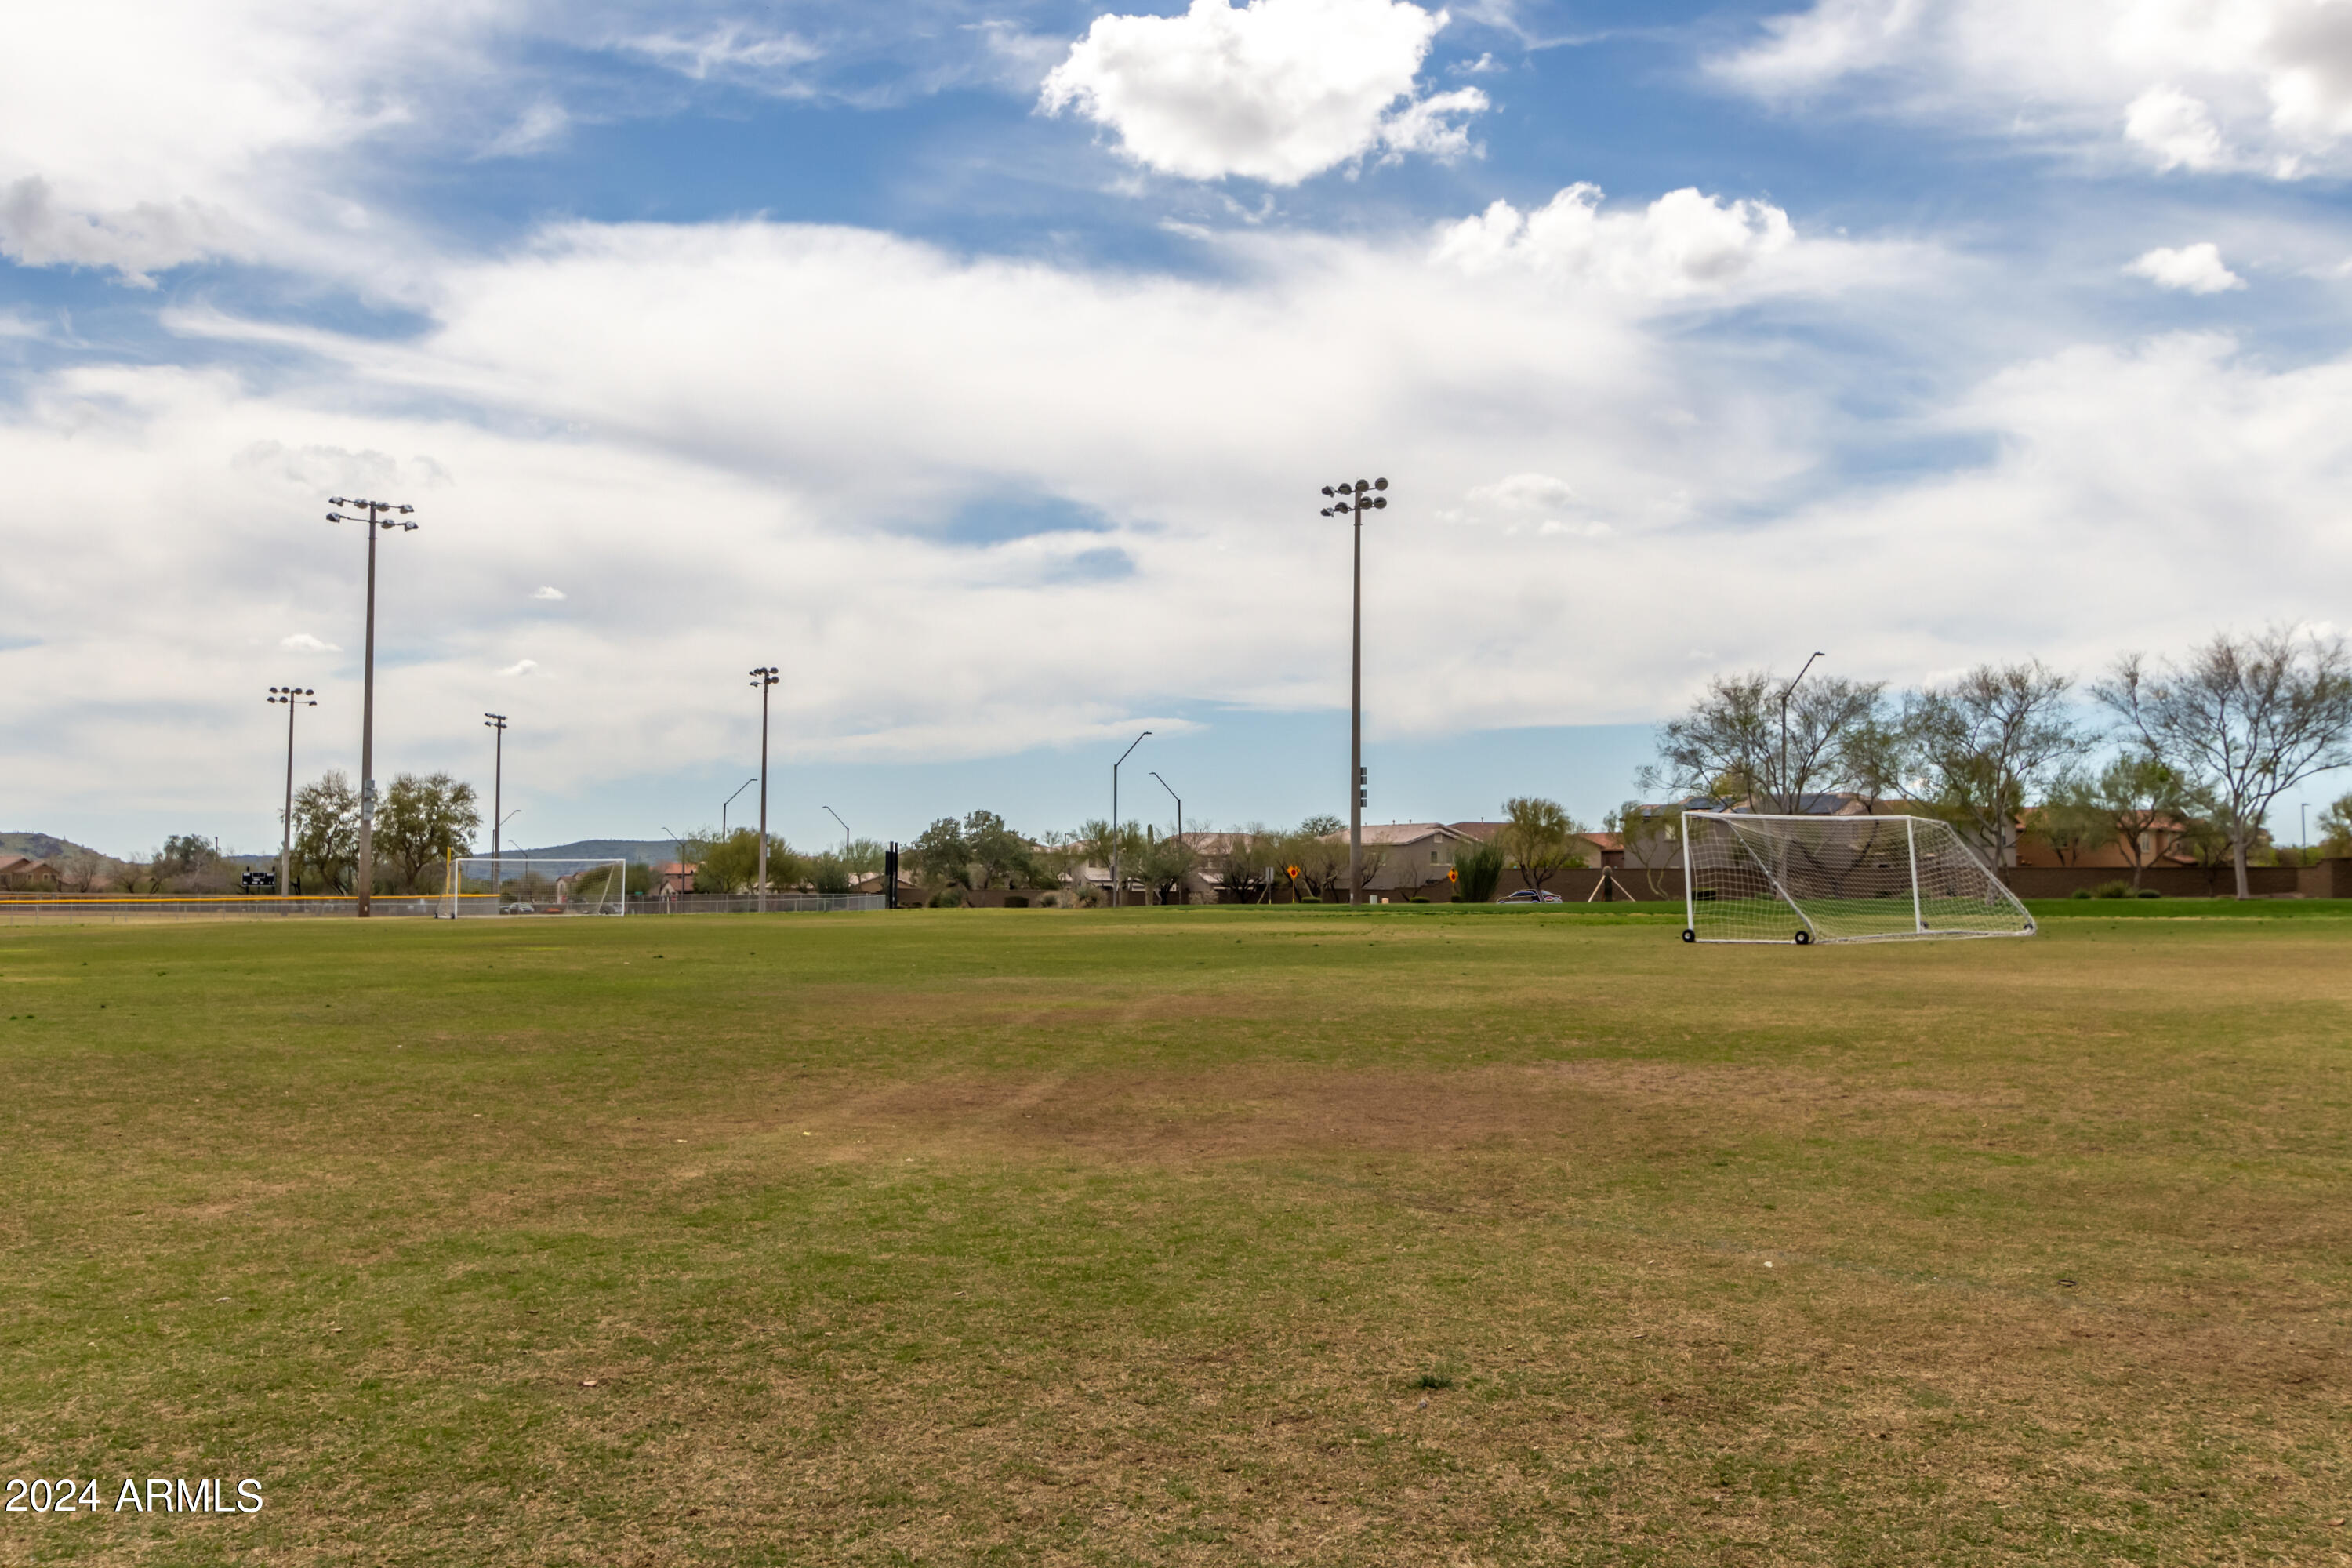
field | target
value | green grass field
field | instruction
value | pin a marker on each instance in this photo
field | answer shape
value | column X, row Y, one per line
column 1172, row 1237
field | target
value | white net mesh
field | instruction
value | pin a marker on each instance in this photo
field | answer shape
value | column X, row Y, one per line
column 1753, row 878
column 520, row 885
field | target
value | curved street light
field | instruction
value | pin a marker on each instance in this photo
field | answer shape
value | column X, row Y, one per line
column 1114, row 817
column 1785, row 692
column 765, row 678
column 1352, row 501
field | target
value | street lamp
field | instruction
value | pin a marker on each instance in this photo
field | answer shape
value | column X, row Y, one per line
column 1785, row 692
column 764, row 677
column 292, row 696
column 1177, row 798
column 1352, row 501
column 374, row 515
column 1114, row 817
column 845, row 834
column 723, row 804
column 497, row 721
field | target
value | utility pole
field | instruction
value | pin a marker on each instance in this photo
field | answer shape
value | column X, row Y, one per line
column 292, row 696
column 1115, row 835
column 845, row 834
column 1352, row 501
column 497, row 721
column 374, row 515
column 764, row 677
column 1786, row 804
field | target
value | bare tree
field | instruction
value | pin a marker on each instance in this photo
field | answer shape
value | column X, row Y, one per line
column 1729, row 745
column 1988, row 742
column 2249, row 717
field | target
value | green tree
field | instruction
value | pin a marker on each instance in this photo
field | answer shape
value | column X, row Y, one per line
column 327, row 831
column 1165, row 866
column 189, row 863
column 2141, row 800
column 2070, row 819
column 732, row 865
column 2206, row 835
column 997, row 854
column 423, row 820
column 2336, row 828
column 1645, row 831
column 941, row 854
column 828, row 875
column 1245, row 865
column 1538, row 838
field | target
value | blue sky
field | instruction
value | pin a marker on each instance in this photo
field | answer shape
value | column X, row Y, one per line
column 979, row 363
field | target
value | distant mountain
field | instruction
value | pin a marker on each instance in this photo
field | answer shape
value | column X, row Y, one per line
column 636, row 851
column 38, row 845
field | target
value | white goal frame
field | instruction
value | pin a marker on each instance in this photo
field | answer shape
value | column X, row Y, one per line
column 1751, row 876
column 476, row 885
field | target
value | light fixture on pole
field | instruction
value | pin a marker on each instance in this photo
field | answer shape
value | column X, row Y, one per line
column 373, row 515
column 1352, row 501
column 1177, row 798
column 292, row 696
column 1784, row 730
column 497, row 721
column 765, row 678
column 723, row 804
column 845, row 834
column 1114, row 817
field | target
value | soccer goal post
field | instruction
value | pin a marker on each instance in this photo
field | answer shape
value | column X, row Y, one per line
column 526, row 885
column 1753, row 878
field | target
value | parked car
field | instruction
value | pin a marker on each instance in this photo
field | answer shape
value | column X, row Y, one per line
column 1528, row 896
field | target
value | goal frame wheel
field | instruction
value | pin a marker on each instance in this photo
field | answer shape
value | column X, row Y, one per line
column 1689, row 935
column 1804, row 939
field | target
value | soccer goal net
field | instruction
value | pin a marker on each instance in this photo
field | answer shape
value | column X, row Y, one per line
column 1752, row 878
column 520, row 885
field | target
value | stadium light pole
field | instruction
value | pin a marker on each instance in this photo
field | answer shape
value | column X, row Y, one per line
column 497, row 721
column 1785, row 692
column 1114, row 817
column 723, row 804
column 1177, row 798
column 845, row 834
column 1352, row 501
column 374, row 515
column 293, row 697
column 765, row 678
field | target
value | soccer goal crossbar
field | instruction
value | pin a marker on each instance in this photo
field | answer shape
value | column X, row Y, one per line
column 527, row 885
column 1749, row 876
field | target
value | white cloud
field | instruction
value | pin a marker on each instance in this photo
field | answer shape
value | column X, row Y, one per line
column 1682, row 244
column 730, row 50
column 548, row 593
column 522, row 666
column 2262, row 85
column 1275, row 91
column 303, row 642
column 2194, row 268
column 541, row 126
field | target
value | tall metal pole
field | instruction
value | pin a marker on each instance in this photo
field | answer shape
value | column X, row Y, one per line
column 764, row 677
column 373, row 514
column 845, row 834
column 1785, row 692
column 1352, row 501
column 292, row 696
column 1114, row 817
column 723, row 804
column 497, row 721
column 1177, row 798
column 1356, row 726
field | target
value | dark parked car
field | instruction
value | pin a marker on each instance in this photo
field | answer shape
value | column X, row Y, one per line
column 1528, row 896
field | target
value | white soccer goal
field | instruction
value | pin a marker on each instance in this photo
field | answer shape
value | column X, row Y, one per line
column 524, row 885
column 1753, row 878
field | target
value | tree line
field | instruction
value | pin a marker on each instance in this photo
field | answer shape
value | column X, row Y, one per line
column 2209, row 744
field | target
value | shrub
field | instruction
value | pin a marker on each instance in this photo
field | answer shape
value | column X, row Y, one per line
column 1016, row 902
column 1417, row 898
column 1479, row 868
column 2112, row 890
column 948, row 899
column 2080, row 893
column 2149, row 893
